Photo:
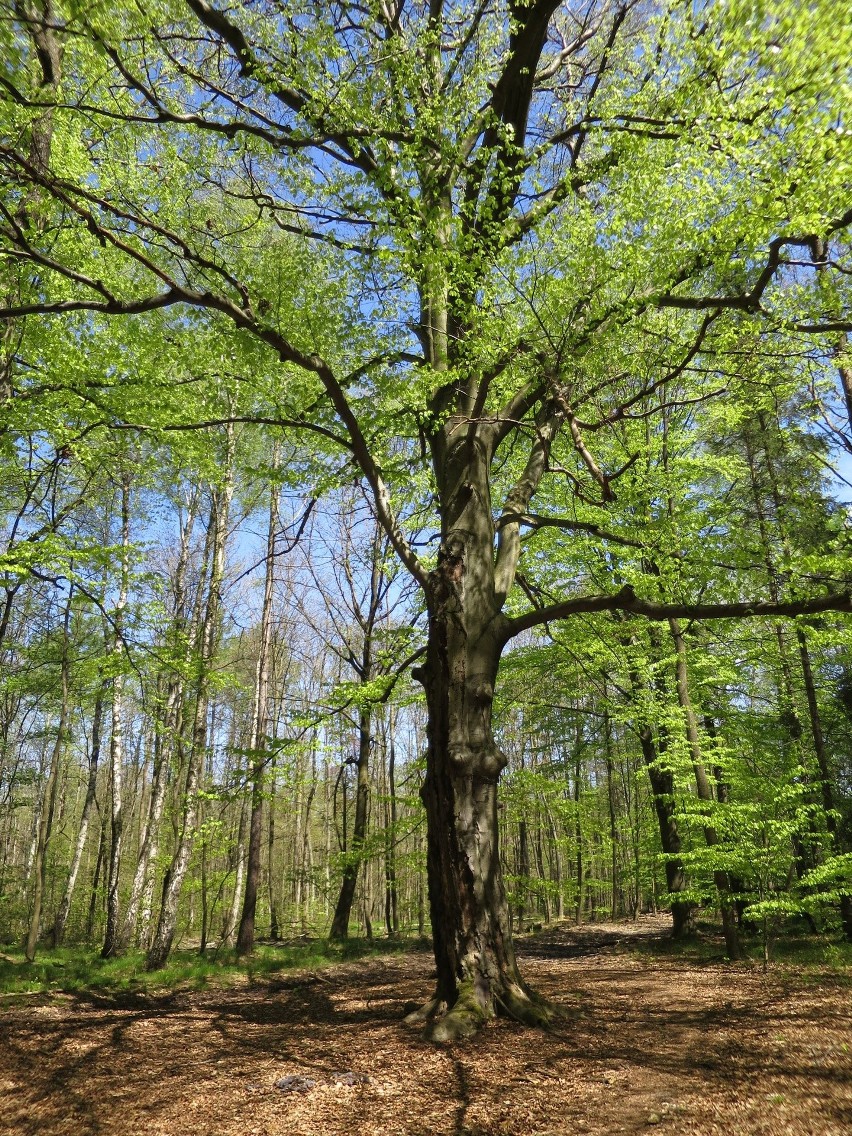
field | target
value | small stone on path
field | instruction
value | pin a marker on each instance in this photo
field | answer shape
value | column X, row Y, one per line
column 295, row 1084
column 350, row 1078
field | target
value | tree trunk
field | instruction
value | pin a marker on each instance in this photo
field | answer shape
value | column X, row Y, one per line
column 231, row 918
column 340, row 923
column 662, row 789
column 116, row 747
column 825, row 774
column 141, row 892
column 477, row 974
column 271, row 883
column 260, row 729
column 49, row 802
column 219, row 511
column 82, row 831
column 391, row 818
column 543, row 873
column 662, row 792
column 705, row 792
column 578, row 841
column 617, row 903
column 99, row 864
column 557, row 862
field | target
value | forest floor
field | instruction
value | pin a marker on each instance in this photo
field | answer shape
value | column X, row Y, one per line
column 652, row 1040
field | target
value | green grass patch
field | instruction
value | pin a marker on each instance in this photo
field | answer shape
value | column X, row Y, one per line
column 826, row 951
column 76, row 970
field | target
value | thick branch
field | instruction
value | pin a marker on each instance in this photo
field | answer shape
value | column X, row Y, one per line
column 627, row 600
column 751, row 301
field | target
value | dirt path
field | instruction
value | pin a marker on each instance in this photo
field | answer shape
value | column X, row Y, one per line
column 647, row 1044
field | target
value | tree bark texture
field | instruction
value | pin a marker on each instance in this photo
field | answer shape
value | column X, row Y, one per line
column 477, row 974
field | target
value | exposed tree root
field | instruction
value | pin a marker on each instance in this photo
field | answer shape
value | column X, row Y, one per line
column 427, row 1011
column 528, row 1008
column 468, row 1013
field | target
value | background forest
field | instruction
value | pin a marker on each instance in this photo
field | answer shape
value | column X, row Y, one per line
column 222, row 381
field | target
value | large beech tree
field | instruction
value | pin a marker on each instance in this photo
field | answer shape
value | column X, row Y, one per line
column 537, row 218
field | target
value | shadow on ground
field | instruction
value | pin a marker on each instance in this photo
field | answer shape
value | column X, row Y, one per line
column 648, row 1042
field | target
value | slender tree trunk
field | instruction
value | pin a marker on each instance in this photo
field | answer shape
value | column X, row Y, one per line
column 260, row 730
column 82, row 831
column 617, row 903
column 705, row 791
column 557, row 863
column 343, row 908
column 167, row 924
column 99, row 864
column 391, row 825
column 826, row 778
column 271, row 881
column 142, row 887
column 578, row 841
column 662, row 790
column 141, row 892
column 661, row 778
column 49, row 801
column 116, row 747
column 231, row 918
column 544, row 899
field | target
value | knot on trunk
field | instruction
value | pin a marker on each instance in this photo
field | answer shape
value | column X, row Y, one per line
column 451, row 561
column 484, row 763
column 447, row 581
column 462, row 757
